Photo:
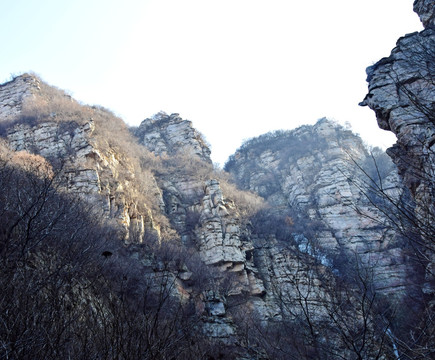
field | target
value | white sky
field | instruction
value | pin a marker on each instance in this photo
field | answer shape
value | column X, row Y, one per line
column 236, row 68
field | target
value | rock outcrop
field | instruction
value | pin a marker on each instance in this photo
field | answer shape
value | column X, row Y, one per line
column 88, row 167
column 14, row 92
column 170, row 134
column 426, row 11
column 402, row 94
column 314, row 175
column 181, row 190
column 272, row 258
column 221, row 242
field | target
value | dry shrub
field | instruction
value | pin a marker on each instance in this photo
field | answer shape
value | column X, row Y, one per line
column 185, row 163
column 248, row 203
column 32, row 163
column 26, row 161
column 52, row 104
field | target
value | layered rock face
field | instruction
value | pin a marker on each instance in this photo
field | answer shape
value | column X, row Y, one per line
column 170, row 134
column 13, row 93
column 312, row 175
column 402, row 94
column 195, row 202
column 275, row 254
column 177, row 185
column 87, row 167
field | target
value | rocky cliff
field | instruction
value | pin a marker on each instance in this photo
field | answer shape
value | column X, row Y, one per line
column 267, row 253
column 165, row 134
column 15, row 92
column 316, row 175
column 402, row 93
column 158, row 184
column 426, row 11
column 43, row 120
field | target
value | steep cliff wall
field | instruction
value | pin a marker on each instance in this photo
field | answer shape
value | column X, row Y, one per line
column 13, row 93
column 402, row 94
column 43, row 120
column 426, row 11
column 315, row 176
column 273, row 260
column 170, row 134
column 164, row 189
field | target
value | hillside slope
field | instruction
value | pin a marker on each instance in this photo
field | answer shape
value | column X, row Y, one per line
column 253, row 263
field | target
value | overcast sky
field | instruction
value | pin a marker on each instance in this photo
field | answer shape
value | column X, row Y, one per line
column 236, row 68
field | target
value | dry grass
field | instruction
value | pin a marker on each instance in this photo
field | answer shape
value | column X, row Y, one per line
column 26, row 161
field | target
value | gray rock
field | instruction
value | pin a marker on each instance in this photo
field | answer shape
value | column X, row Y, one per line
column 170, row 134
column 402, row 94
column 305, row 177
column 426, row 11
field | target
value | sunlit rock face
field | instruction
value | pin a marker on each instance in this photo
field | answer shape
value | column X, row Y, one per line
column 309, row 178
column 313, row 174
column 170, row 134
column 208, row 222
column 402, row 94
column 220, row 239
column 86, row 168
column 13, row 93
column 51, row 141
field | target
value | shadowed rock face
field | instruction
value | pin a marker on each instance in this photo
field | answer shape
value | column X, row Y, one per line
column 426, row 11
column 402, row 94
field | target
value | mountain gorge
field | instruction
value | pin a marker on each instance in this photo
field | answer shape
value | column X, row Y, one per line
column 126, row 243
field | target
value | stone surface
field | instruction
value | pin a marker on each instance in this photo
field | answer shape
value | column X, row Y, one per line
column 208, row 222
column 14, row 92
column 311, row 180
column 312, row 171
column 402, row 94
column 426, row 11
column 88, row 168
column 170, row 134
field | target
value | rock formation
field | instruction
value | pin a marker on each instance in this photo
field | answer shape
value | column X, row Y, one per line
column 317, row 172
column 426, row 11
column 402, row 93
column 274, row 255
column 170, row 134
column 44, row 120
column 13, row 93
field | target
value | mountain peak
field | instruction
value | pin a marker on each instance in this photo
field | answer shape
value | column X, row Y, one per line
column 170, row 134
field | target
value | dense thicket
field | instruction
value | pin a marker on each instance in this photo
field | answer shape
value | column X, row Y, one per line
column 70, row 289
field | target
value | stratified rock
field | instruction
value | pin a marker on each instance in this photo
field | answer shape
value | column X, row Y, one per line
column 170, row 134
column 14, row 92
column 86, row 165
column 206, row 220
column 402, row 94
column 312, row 176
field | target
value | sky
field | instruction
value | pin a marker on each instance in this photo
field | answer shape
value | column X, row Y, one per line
column 235, row 68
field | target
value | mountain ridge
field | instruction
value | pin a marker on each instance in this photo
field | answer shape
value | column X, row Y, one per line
column 302, row 245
